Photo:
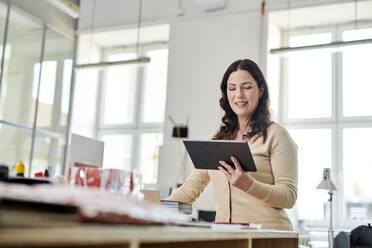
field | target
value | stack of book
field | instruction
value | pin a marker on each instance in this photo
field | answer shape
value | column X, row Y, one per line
column 183, row 207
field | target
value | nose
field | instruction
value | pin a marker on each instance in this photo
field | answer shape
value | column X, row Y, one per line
column 239, row 92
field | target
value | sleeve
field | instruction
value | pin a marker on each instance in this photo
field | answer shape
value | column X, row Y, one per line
column 283, row 159
column 193, row 186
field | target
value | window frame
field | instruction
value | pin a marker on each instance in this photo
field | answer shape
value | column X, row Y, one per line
column 336, row 122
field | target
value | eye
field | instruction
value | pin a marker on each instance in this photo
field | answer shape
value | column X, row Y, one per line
column 247, row 87
column 231, row 88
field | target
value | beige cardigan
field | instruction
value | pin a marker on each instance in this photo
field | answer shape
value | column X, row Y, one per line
column 274, row 186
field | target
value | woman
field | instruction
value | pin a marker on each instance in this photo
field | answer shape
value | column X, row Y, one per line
column 254, row 197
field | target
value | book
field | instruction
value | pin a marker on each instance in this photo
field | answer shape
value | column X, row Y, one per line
column 183, row 207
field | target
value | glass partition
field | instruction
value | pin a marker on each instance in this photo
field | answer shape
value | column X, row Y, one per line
column 66, row 87
column 55, row 82
column 15, row 146
column 24, row 46
column 28, row 82
column 3, row 11
column 48, row 154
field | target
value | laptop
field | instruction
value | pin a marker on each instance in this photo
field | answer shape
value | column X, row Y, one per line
column 86, row 150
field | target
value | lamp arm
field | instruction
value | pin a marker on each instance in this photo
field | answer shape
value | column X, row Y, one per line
column 330, row 234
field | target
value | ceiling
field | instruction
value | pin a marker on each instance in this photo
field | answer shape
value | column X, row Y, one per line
column 124, row 37
column 324, row 15
column 320, row 15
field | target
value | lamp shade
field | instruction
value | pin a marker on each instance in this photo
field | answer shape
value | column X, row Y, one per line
column 326, row 182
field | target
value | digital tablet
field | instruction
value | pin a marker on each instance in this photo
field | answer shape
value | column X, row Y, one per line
column 205, row 154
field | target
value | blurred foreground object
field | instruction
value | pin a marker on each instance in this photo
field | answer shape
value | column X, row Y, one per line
column 93, row 205
column 113, row 180
column 4, row 171
column 152, row 196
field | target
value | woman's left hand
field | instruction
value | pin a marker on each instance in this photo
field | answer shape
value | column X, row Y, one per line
column 237, row 177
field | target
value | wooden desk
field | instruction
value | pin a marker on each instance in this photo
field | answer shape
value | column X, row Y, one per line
column 144, row 237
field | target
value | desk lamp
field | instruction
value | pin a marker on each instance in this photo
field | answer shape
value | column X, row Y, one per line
column 327, row 184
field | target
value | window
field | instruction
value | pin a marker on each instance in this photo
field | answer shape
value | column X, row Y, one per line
column 317, row 66
column 314, row 153
column 118, row 149
column 149, row 153
column 356, row 77
column 120, row 91
column 327, row 109
column 132, row 113
column 357, row 173
column 155, row 87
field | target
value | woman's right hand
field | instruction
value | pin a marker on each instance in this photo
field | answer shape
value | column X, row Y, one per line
column 237, row 177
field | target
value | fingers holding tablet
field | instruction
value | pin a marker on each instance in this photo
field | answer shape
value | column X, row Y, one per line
column 237, row 177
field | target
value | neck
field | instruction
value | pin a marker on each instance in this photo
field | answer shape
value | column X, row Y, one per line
column 243, row 128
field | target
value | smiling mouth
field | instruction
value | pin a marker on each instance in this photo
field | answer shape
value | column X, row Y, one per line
column 241, row 104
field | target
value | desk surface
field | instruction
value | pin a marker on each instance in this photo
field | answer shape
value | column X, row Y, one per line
column 143, row 236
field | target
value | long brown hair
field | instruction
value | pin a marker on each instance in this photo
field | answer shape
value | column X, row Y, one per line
column 260, row 119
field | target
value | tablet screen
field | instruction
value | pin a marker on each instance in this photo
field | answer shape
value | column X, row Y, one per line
column 205, row 154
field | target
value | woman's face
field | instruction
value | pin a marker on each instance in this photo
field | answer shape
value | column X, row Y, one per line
column 243, row 94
